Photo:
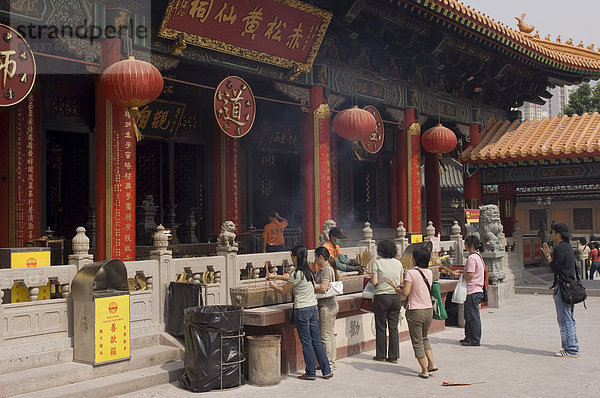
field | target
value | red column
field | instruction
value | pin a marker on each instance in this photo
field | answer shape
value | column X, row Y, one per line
column 394, row 193
column 115, row 171
column 402, row 168
column 433, row 191
column 4, row 177
column 218, row 157
column 471, row 184
column 230, row 180
column 413, row 172
column 20, row 172
column 316, row 180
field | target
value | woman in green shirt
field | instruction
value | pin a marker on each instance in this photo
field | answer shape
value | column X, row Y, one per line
column 306, row 314
column 386, row 303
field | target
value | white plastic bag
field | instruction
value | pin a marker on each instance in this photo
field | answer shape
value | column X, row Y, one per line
column 460, row 291
column 369, row 291
column 335, row 289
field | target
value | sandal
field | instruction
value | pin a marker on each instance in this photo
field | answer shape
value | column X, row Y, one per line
column 424, row 375
column 432, row 370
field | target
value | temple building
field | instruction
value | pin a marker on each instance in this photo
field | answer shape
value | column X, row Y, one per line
column 244, row 122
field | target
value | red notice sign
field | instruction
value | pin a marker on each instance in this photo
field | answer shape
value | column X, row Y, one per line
column 286, row 33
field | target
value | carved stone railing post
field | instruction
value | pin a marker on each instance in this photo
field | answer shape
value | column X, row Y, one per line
column 367, row 240
column 429, row 231
column 228, row 248
column 455, row 235
column 161, row 253
column 81, row 247
column 401, row 239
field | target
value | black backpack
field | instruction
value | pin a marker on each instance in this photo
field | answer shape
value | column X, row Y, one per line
column 572, row 292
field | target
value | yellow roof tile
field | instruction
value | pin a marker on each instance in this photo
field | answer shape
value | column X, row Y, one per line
column 557, row 138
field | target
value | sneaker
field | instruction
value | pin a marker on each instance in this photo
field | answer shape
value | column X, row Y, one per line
column 305, row 377
column 469, row 343
column 564, row 354
column 378, row 359
column 392, row 360
column 329, row 376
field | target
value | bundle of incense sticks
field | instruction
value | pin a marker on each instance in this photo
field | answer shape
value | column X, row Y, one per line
column 391, row 283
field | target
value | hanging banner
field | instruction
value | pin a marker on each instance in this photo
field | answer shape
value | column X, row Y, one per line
column 286, row 33
column 374, row 142
column 235, row 108
column 17, row 67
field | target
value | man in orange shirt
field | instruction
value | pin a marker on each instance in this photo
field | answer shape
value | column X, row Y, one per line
column 341, row 261
column 273, row 234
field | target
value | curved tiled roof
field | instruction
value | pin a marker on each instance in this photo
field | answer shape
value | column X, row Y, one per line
column 451, row 174
column 557, row 138
column 556, row 55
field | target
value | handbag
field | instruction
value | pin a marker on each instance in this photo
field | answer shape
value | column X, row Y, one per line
column 572, row 292
column 335, row 289
column 460, row 291
column 439, row 311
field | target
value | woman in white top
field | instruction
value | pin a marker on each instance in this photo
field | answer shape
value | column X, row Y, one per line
column 328, row 306
column 386, row 303
column 306, row 315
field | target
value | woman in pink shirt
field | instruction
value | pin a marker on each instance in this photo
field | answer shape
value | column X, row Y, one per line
column 417, row 287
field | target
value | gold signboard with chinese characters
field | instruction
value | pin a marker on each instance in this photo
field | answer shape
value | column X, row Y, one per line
column 286, row 33
column 160, row 119
column 235, row 107
column 17, row 67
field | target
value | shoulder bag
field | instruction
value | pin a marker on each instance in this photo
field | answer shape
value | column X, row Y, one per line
column 439, row 311
column 572, row 292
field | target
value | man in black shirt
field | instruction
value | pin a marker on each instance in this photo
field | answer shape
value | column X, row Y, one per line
column 562, row 263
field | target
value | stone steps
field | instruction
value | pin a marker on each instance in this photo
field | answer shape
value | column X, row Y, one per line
column 117, row 384
column 39, row 380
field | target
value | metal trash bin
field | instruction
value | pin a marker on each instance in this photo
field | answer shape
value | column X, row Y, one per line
column 101, row 331
column 264, row 360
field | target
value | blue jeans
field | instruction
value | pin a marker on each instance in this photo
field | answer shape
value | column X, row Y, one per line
column 307, row 324
column 472, row 318
column 595, row 267
column 566, row 324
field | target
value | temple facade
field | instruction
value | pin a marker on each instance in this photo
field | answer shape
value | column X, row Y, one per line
column 69, row 156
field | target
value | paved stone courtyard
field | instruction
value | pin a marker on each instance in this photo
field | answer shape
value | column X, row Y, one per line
column 515, row 360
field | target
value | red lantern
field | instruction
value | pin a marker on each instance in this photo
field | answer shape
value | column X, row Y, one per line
column 354, row 124
column 131, row 83
column 438, row 140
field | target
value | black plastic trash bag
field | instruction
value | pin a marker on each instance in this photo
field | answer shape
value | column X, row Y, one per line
column 451, row 310
column 181, row 296
column 213, row 348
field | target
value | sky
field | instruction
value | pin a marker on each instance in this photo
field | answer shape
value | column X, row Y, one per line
column 577, row 19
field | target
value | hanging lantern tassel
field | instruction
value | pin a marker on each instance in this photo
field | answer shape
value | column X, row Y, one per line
column 134, row 112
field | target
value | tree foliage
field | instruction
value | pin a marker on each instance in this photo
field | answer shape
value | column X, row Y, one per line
column 584, row 99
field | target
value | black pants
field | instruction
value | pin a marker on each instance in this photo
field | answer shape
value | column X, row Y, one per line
column 387, row 313
column 472, row 318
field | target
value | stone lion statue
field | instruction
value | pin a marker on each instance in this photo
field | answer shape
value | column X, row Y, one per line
column 227, row 235
column 327, row 225
column 490, row 228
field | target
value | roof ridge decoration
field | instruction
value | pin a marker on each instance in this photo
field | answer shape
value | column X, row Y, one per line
column 556, row 55
column 563, row 137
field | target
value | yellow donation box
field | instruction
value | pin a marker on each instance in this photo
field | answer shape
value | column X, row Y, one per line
column 101, row 330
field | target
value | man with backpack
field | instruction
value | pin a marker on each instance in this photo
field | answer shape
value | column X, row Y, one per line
column 562, row 262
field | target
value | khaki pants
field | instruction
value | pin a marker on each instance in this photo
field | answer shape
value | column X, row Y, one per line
column 419, row 322
column 327, row 315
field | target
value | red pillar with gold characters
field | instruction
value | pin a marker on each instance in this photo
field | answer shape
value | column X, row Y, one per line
column 413, row 161
column 401, row 172
column 115, row 171
column 471, row 183
column 316, row 161
column 20, row 142
column 507, row 197
column 230, row 180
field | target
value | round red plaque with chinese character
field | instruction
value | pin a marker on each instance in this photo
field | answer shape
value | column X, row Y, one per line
column 17, row 67
column 235, row 107
column 374, row 142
